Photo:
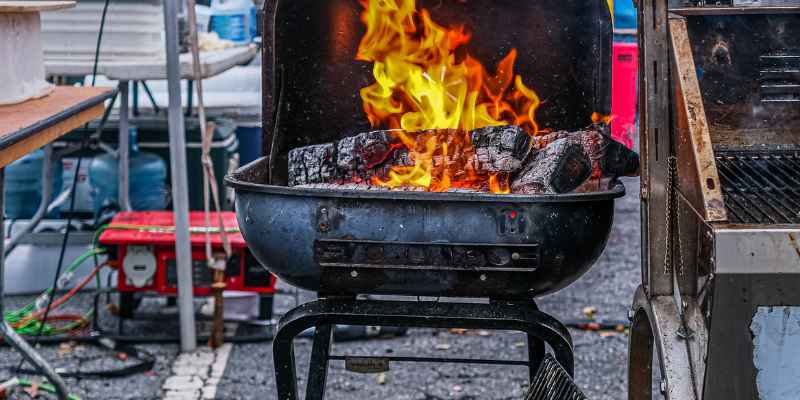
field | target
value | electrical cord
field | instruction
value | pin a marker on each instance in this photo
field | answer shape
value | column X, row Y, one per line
column 72, row 195
column 146, row 362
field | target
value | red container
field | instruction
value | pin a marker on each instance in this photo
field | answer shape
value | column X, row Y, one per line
column 623, row 93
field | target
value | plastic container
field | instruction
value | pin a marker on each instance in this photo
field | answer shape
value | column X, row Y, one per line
column 146, row 180
column 23, row 185
column 134, row 30
column 250, row 137
column 83, row 190
column 623, row 93
column 233, row 20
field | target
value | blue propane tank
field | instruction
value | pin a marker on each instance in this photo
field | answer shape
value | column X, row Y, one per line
column 147, row 176
column 23, row 185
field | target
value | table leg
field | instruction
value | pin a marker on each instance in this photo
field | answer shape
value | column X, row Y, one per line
column 123, row 154
column 8, row 333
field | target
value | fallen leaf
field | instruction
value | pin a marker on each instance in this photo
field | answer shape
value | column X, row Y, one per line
column 607, row 334
column 122, row 356
column 589, row 311
column 458, row 331
column 65, row 348
column 381, row 378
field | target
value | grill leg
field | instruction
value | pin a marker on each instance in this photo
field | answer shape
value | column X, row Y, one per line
column 283, row 356
column 535, row 355
column 318, row 369
column 325, row 313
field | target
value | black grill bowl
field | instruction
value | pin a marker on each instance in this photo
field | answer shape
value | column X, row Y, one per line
column 416, row 243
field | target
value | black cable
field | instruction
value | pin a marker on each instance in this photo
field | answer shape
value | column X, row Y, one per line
column 65, row 240
column 99, row 40
column 146, row 361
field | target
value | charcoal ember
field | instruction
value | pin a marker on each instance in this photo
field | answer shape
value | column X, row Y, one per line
column 559, row 167
column 500, row 148
column 357, row 155
column 312, row 164
column 609, row 157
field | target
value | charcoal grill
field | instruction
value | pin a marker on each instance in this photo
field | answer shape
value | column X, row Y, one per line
column 720, row 118
column 343, row 243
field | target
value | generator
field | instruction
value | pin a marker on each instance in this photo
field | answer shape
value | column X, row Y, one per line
column 141, row 244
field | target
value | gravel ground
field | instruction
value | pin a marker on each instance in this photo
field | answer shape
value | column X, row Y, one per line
column 600, row 359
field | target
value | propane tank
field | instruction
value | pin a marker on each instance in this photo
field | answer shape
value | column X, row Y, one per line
column 147, row 176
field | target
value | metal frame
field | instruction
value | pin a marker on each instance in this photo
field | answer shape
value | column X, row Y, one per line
column 694, row 264
column 324, row 313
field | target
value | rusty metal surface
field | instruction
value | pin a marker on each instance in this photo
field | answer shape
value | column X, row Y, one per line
column 761, row 187
column 681, row 349
column 655, row 141
column 697, row 171
column 756, row 266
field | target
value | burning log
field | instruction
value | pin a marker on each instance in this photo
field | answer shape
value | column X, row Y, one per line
column 358, row 158
column 558, row 162
column 560, row 167
column 352, row 159
column 310, row 164
column 500, row 148
column 610, row 158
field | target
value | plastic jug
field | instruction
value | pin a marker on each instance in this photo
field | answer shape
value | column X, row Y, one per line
column 23, row 185
column 147, row 176
column 233, row 20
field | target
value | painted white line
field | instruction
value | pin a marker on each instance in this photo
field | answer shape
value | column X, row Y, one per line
column 196, row 375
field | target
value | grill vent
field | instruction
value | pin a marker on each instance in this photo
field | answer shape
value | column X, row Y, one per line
column 553, row 383
column 780, row 78
column 761, row 188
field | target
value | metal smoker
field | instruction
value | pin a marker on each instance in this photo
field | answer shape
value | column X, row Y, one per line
column 719, row 304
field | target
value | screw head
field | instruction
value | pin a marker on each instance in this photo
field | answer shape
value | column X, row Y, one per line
column 483, row 277
column 354, row 274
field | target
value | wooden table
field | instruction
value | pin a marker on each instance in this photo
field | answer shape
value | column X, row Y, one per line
column 25, row 127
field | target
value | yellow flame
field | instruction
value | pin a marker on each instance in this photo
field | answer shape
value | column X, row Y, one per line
column 425, row 79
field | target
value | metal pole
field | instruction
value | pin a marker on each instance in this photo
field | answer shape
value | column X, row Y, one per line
column 180, row 186
column 8, row 333
column 122, row 150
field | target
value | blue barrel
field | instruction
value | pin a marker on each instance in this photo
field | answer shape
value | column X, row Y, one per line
column 249, row 137
column 147, row 176
column 23, row 185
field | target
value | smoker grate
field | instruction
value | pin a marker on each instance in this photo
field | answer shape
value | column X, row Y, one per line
column 761, row 187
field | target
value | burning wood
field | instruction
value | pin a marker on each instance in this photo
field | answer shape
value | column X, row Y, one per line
column 500, row 159
column 560, row 167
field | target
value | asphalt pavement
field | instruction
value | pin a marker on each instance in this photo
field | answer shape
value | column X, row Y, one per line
column 600, row 358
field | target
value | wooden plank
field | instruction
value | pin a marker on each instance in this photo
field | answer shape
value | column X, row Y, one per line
column 27, row 126
column 34, row 6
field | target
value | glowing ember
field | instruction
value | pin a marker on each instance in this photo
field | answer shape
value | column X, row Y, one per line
column 424, row 79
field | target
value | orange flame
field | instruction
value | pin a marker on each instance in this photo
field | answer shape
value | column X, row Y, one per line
column 425, row 79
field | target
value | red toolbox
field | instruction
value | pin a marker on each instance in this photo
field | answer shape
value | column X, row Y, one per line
column 623, row 92
column 142, row 243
